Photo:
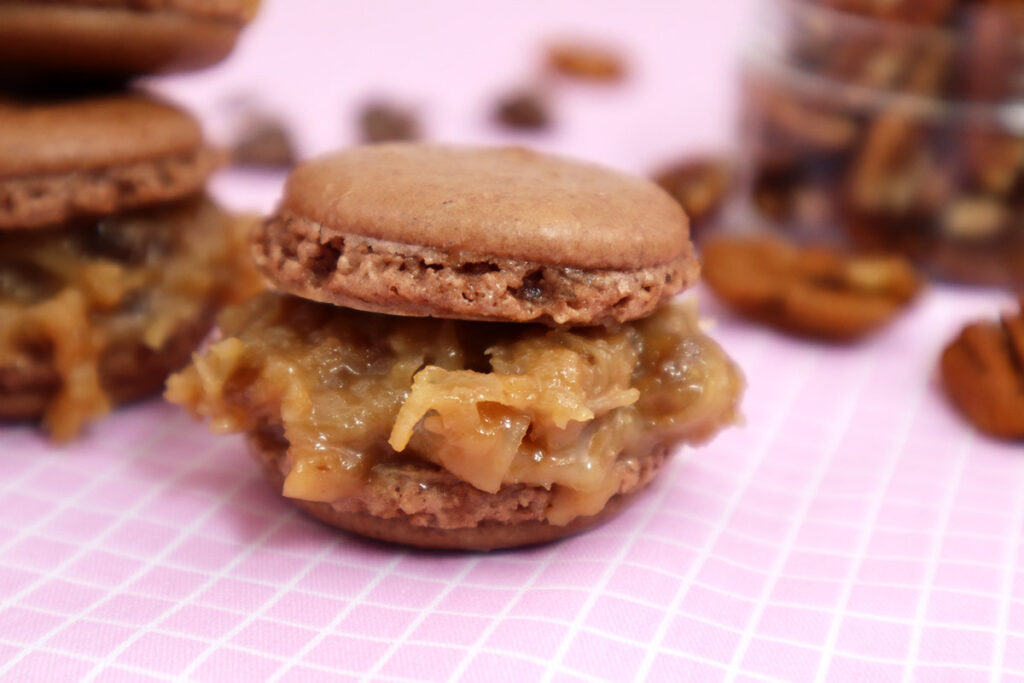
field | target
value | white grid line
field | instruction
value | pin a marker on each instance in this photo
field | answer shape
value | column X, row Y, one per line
column 518, row 594
column 933, row 563
column 83, row 549
column 959, row 561
column 132, row 668
column 828, row 451
column 881, row 618
column 140, row 632
column 1013, row 547
column 942, row 528
column 287, row 662
column 740, row 488
column 681, row 543
column 441, row 595
column 282, row 590
column 558, row 660
column 360, row 598
column 874, row 509
column 66, row 503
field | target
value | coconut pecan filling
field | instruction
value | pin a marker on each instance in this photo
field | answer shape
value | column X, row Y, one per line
column 69, row 295
column 494, row 404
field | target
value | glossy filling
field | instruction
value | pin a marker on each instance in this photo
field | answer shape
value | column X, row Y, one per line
column 492, row 403
column 67, row 295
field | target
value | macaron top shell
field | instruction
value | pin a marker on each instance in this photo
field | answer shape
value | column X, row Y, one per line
column 504, row 202
column 95, row 155
column 476, row 233
column 93, row 132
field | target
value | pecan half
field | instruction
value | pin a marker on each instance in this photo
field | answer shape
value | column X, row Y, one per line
column 910, row 11
column 983, row 373
column 700, row 185
column 896, row 171
column 813, row 291
column 994, row 159
column 586, row 61
column 801, row 121
column 888, row 58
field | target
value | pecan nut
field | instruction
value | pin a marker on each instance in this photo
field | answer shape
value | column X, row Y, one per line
column 888, row 58
column 586, row 61
column 891, row 130
column 994, row 159
column 700, row 185
column 896, row 172
column 812, row 291
column 910, row 11
column 803, row 122
column 983, row 373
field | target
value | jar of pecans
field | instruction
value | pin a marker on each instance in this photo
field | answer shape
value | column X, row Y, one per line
column 892, row 125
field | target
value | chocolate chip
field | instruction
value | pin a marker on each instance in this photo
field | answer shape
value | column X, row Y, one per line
column 524, row 110
column 383, row 122
column 264, row 143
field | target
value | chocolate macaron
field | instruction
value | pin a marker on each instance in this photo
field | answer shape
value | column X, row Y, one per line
column 470, row 348
column 120, row 37
column 112, row 261
column 93, row 155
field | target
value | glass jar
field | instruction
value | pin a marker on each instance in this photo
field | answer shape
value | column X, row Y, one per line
column 892, row 125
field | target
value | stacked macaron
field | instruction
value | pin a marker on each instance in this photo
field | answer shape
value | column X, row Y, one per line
column 469, row 347
column 113, row 262
column 120, row 37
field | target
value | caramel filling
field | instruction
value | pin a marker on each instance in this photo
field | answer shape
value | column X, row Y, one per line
column 494, row 404
column 67, row 295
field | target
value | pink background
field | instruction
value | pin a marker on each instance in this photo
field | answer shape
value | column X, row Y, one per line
column 854, row 529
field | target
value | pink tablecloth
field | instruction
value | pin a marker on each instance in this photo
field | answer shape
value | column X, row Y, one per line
column 853, row 529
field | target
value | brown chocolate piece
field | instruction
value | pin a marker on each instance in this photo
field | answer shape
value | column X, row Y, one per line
column 817, row 292
column 525, row 110
column 264, row 143
column 983, row 373
column 380, row 121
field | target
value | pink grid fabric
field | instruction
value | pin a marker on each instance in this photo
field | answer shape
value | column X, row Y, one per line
column 853, row 529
